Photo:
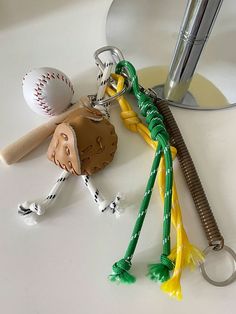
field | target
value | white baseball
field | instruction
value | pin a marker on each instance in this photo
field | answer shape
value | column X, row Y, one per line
column 47, row 91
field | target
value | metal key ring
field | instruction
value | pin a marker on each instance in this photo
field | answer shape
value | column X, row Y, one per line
column 224, row 282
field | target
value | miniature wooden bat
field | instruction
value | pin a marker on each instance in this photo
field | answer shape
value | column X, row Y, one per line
column 28, row 142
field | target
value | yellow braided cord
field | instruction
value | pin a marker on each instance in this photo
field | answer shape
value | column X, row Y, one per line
column 184, row 254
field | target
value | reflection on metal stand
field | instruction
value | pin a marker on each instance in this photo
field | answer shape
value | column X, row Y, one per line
column 197, row 24
column 198, row 20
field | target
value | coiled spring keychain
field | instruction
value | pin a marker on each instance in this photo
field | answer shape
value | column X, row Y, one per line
column 209, row 224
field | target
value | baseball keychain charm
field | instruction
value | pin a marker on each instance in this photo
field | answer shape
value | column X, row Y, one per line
column 83, row 142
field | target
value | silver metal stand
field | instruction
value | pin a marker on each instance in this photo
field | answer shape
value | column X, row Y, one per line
column 129, row 22
column 198, row 20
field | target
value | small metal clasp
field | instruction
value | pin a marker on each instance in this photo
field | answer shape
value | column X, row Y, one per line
column 117, row 57
column 115, row 52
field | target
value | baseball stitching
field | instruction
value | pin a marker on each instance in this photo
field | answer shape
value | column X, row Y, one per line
column 41, row 83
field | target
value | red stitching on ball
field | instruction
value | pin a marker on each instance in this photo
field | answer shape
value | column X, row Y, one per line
column 42, row 83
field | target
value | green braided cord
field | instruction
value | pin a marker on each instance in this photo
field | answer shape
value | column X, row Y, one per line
column 158, row 133
column 121, row 268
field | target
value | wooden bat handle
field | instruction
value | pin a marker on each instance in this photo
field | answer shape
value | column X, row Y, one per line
column 24, row 145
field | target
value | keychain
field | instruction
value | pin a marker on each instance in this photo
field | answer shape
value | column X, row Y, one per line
column 84, row 142
column 184, row 254
column 49, row 92
column 214, row 237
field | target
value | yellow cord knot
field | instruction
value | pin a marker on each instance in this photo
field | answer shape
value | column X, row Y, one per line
column 130, row 120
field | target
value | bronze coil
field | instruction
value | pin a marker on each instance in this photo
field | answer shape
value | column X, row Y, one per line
column 207, row 218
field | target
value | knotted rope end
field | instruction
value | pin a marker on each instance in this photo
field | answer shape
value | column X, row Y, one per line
column 158, row 272
column 29, row 217
column 120, row 272
column 114, row 206
column 29, row 212
column 124, row 277
column 161, row 271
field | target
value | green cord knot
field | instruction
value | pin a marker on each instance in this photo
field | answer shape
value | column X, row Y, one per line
column 153, row 118
column 144, row 103
column 120, row 272
column 122, row 264
column 155, row 128
column 161, row 272
column 167, row 262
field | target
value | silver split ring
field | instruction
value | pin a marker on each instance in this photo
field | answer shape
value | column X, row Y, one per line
column 224, row 282
column 109, row 99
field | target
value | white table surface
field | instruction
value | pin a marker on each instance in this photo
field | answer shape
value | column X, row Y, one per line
column 61, row 265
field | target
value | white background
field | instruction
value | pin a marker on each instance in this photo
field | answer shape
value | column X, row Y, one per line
column 61, row 265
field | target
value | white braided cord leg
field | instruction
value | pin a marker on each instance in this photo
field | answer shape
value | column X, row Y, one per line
column 102, row 81
column 99, row 199
column 103, row 204
column 29, row 210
